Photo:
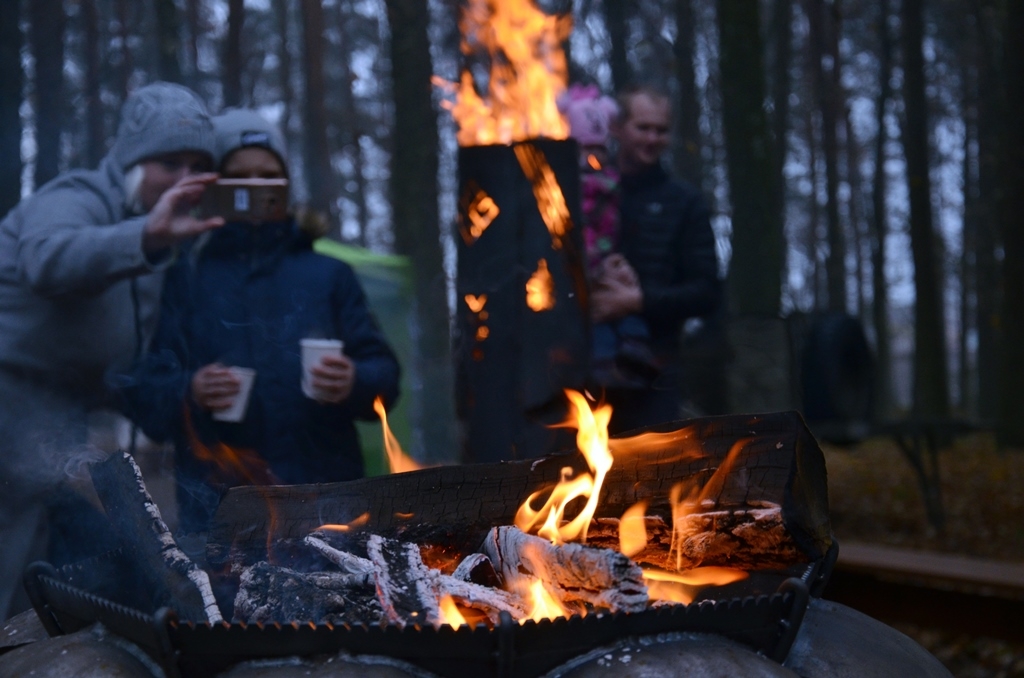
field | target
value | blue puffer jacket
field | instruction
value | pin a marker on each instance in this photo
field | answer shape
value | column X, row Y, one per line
column 246, row 297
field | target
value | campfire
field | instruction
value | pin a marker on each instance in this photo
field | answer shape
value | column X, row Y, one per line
column 718, row 525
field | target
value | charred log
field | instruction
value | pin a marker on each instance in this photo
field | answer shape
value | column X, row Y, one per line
column 574, row 573
column 171, row 575
column 410, row 592
column 268, row 593
column 749, row 538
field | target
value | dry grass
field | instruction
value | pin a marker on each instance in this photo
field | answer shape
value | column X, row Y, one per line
column 874, row 497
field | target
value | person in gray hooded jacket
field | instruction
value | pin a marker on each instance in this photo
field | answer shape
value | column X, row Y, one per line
column 81, row 264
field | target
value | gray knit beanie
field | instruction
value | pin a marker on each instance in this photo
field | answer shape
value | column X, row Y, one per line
column 241, row 127
column 162, row 118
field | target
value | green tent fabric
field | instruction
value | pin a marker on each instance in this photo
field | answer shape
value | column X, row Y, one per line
column 387, row 281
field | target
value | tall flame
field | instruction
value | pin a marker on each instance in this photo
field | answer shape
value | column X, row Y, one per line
column 398, row 461
column 592, row 440
column 543, row 605
column 526, row 73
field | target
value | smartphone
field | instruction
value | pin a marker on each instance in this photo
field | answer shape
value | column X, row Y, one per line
column 253, row 200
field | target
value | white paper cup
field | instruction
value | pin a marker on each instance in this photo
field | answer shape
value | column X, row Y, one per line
column 237, row 410
column 313, row 351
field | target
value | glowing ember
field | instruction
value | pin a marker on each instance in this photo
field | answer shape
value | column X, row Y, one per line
column 592, row 440
column 347, row 527
column 546, row 191
column 594, row 163
column 633, row 529
column 479, row 211
column 540, row 288
column 398, row 461
column 449, row 612
column 527, row 72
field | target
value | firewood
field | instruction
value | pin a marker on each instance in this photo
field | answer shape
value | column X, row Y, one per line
column 599, row 577
column 410, row 592
column 350, row 563
column 477, row 568
column 171, row 575
column 268, row 593
column 749, row 538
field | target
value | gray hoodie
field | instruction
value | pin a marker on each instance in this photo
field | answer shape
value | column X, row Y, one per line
column 71, row 257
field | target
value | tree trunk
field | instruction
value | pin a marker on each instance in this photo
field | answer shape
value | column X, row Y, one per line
column 12, row 78
column 124, row 33
column 880, row 231
column 615, row 21
column 813, row 217
column 319, row 174
column 193, row 11
column 987, row 267
column 835, row 263
column 284, row 59
column 782, row 34
column 1011, row 411
column 968, row 278
column 350, row 127
column 168, row 27
column 931, row 399
column 755, row 272
column 232, row 74
column 95, row 132
column 688, row 143
column 414, row 196
column 48, row 24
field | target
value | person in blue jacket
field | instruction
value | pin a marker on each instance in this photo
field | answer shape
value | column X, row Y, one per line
column 244, row 297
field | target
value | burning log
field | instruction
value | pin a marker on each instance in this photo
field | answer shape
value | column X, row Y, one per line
column 268, row 593
column 477, row 568
column 572, row 572
column 349, row 563
column 748, row 538
column 410, row 592
column 175, row 580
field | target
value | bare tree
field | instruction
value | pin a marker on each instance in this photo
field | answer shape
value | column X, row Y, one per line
column 782, row 57
column 193, row 14
column 231, row 76
column 168, row 41
column 755, row 271
column 688, row 143
column 47, row 31
column 615, row 22
column 1011, row 411
column 350, row 127
column 879, row 285
column 414, row 165
column 284, row 59
column 11, row 82
column 931, row 399
column 823, row 23
column 319, row 174
column 95, row 132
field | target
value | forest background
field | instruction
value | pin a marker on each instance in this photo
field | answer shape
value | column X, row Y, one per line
column 860, row 156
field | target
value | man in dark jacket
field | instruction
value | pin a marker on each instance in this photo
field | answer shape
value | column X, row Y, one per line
column 668, row 270
column 245, row 297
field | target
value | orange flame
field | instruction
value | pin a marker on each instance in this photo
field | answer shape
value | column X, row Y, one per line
column 633, row 529
column 398, row 461
column 346, row 527
column 594, row 163
column 231, row 466
column 542, row 604
column 527, row 73
column 680, row 587
column 592, row 440
column 546, row 191
column 449, row 612
column 685, row 500
column 480, row 211
column 540, row 289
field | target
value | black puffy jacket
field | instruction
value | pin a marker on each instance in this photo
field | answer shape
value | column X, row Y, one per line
column 666, row 237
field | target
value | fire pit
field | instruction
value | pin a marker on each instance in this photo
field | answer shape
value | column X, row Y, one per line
column 741, row 465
